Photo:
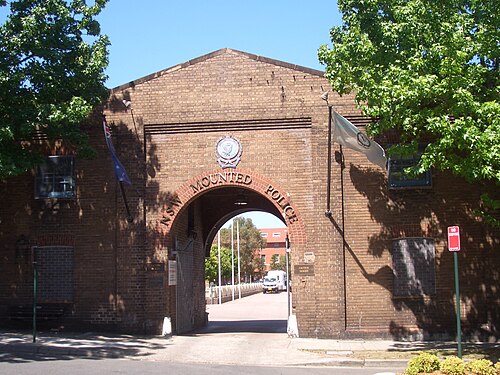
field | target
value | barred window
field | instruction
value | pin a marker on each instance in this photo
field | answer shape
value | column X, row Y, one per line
column 54, row 273
column 413, row 261
column 55, row 178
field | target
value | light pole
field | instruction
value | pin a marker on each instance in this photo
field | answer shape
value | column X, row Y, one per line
column 35, row 271
column 232, row 259
column 287, row 245
column 239, row 263
column 218, row 266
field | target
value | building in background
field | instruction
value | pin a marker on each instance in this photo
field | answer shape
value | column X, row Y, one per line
column 275, row 245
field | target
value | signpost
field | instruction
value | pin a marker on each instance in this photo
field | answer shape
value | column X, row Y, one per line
column 454, row 246
column 287, row 254
column 34, row 291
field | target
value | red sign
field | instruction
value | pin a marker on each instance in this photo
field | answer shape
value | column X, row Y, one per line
column 454, row 238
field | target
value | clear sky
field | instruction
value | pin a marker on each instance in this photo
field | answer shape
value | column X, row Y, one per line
column 151, row 35
column 261, row 220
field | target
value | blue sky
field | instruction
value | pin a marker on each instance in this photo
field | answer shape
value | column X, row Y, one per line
column 151, row 35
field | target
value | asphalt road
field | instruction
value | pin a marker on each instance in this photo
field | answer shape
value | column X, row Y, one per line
column 117, row 366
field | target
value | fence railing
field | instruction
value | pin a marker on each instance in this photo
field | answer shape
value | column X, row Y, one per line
column 226, row 292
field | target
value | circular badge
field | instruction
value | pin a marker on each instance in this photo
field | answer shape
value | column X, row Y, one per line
column 228, row 152
column 363, row 140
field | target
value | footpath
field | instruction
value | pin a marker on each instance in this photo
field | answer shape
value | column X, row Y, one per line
column 249, row 348
column 248, row 331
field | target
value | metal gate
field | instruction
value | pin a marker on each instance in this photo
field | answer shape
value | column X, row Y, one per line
column 185, row 294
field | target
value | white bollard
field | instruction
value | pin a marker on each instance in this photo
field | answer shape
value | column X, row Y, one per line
column 292, row 328
column 167, row 327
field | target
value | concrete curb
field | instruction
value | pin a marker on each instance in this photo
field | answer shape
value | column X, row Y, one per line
column 400, row 363
column 353, row 362
column 107, row 351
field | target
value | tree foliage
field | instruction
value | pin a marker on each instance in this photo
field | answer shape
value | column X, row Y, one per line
column 429, row 70
column 52, row 61
column 250, row 241
column 259, row 266
column 212, row 265
column 278, row 262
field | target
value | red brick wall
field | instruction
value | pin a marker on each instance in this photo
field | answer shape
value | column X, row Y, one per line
column 166, row 142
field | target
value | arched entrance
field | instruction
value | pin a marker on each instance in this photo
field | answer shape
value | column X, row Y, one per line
column 190, row 221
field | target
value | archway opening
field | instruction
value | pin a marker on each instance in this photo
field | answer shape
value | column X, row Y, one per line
column 246, row 276
column 221, row 225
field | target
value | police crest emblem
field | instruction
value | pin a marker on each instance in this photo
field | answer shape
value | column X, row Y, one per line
column 228, row 152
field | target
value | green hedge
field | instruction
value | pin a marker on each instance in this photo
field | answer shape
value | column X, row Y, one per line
column 426, row 363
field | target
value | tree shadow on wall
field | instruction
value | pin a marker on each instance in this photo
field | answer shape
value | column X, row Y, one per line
column 141, row 156
column 428, row 213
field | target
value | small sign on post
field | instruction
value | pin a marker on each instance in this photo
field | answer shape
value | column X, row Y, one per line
column 454, row 238
column 454, row 246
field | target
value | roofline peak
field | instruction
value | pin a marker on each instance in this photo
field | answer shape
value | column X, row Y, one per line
column 211, row 55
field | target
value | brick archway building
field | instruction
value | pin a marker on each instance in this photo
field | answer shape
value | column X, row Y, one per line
column 378, row 266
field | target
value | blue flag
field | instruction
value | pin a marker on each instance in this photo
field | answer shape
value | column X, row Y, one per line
column 121, row 175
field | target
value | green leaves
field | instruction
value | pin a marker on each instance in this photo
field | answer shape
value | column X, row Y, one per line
column 212, row 264
column 429, row 70
column 250, row 241
column 52, row 62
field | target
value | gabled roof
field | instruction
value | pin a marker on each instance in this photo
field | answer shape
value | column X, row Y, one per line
column 215, row 54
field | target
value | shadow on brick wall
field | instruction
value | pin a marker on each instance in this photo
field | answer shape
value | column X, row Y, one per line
column 427, row 213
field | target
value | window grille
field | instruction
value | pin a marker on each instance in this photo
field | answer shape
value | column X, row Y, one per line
column 55, row 273
column 413, row 262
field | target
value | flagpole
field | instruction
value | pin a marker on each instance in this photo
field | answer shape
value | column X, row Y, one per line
column 120, row 173
column 218, row 264
column 239, row 263
column 130, row 219
column 342, row 167
column 328, row 211
column 232, row 259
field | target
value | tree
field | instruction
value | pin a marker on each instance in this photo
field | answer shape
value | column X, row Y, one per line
column 212, row 264
column 428, row 70
column 278, row 262
column 259, row 266
column 250, row 242
column 52, row 61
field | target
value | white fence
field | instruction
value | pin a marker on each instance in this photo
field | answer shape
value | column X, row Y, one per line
column 226, row 292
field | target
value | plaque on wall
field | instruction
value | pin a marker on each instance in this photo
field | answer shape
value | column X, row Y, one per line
column 155, row 267
column 303, row 270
